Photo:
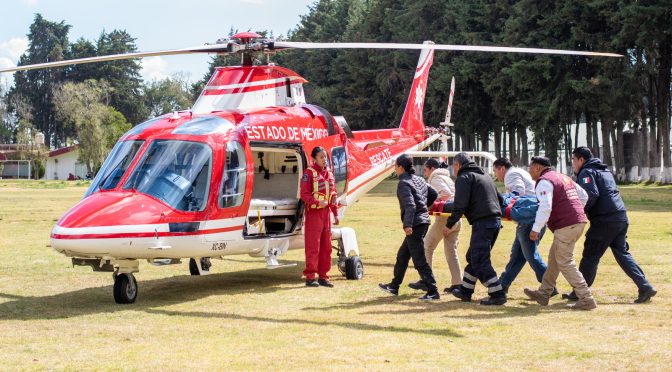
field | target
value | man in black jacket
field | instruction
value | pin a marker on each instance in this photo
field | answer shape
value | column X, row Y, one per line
column 608, row 223
column 477, row 198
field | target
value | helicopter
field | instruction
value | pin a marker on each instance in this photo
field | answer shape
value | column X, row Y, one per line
column 223, row 178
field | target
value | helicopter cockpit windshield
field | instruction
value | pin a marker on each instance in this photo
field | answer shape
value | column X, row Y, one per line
column 175, row 172
column 115, row 166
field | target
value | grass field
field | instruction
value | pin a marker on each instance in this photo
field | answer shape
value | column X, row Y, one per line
column 54, row 316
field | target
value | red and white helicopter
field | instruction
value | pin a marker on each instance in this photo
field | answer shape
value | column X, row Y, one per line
column 223, row 178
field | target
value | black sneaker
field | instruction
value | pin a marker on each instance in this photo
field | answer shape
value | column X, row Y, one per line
column 496, row 301
column 555, row 292
column 450, row 289
column 325, row 283
column 571, row 296
column 388, row 289
column 431, row 296
column 457, row 292
column 312, row 283
column 419, row 285
column 645, row 296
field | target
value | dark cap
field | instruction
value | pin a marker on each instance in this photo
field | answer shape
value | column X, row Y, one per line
column 543, row 161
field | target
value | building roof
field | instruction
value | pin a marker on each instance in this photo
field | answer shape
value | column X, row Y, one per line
column 62, row 150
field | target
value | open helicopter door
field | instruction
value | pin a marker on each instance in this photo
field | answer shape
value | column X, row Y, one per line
column 275, row 208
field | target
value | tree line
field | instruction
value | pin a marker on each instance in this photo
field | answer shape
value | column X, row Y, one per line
column 510, row 104
column 91, row 105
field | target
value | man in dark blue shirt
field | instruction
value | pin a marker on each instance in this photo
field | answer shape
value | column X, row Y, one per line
column 608, row 223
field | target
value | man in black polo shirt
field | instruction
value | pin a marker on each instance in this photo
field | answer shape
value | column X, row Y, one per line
column 608, row 223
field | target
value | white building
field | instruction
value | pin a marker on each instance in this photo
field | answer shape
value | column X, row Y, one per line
column 63, row 162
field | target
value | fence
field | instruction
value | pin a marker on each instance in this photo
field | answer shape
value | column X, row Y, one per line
column 15, row 169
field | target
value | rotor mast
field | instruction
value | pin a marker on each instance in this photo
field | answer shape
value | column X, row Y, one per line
column 249, row 44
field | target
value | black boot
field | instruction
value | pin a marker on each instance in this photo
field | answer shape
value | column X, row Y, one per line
column 571, row 296
column 387, row 288
column 497, row 301
column 449, row 290
column 419, row 285
column 461, row 294
column 431, row 296
column 645, row 296
column 325, row 283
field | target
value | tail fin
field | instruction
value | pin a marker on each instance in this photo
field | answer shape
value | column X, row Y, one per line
column 412, row 122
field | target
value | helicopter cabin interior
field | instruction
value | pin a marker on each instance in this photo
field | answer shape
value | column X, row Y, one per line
column 275, row 208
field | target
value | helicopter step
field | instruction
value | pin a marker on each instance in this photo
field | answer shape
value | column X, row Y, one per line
column 273, row 249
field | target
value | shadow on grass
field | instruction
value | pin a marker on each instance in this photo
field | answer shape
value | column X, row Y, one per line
column 445, row 305
column 154, row 294
column 151, row 294
column 345, row 324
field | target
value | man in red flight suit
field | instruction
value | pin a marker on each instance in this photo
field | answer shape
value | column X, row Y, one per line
column 318, row 192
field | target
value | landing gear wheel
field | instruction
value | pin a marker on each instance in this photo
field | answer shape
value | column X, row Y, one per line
column 125, row 289
column 205, row 264
column 354, row 268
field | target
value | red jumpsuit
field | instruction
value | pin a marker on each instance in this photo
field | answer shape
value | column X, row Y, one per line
column 317, row 221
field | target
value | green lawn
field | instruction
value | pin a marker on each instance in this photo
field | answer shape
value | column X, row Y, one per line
column 54, row 316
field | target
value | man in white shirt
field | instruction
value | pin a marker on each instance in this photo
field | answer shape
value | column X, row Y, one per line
column 523, row 249
column 561, row 203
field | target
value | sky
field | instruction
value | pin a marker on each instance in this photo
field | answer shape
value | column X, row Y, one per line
column 156, row 25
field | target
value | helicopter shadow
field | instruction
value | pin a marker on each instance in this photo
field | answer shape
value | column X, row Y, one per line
column 155, row 295
column 151, row 294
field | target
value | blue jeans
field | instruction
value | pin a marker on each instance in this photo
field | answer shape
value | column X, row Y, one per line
column 524, row 250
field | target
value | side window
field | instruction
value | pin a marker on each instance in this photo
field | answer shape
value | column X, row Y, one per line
column 340, row 167
column 233, row 180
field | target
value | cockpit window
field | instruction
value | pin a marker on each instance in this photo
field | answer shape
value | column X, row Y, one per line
column 115, row 166
column 176, row 172
column 234, row 176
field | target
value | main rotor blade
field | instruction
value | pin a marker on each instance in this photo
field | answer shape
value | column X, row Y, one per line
column 215, row 48
column 470, row 48
column 280, row 45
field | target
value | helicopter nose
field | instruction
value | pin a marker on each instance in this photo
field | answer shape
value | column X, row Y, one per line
column 87, row 228
column 114, row 208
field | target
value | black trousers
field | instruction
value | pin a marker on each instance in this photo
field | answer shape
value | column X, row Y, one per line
column 479, row 267
column 601, row 236
column 413, row 247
